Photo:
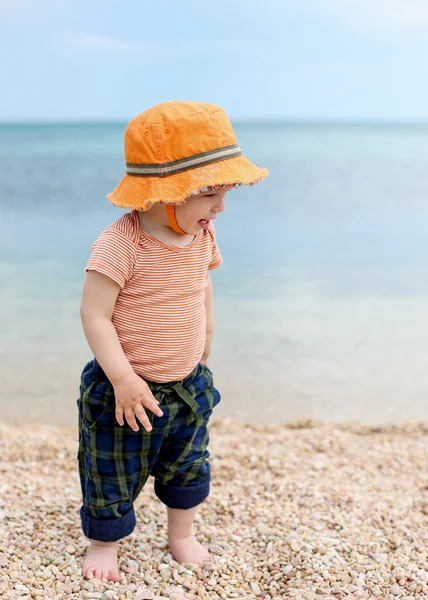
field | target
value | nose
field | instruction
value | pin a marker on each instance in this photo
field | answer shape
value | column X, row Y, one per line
column 219, row 206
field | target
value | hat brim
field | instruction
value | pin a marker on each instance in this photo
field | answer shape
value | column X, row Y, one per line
column 142, row 192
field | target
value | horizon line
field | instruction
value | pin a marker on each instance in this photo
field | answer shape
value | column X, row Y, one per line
column 238, row 120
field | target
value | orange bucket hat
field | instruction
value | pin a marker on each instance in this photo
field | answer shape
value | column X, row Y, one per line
column 176, row 149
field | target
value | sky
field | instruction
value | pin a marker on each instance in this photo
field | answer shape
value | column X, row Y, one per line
column 259, row 59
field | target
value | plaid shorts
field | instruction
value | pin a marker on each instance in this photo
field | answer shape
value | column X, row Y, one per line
column 115, row 462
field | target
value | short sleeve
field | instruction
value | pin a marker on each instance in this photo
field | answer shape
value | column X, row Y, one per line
column 114, row 255
column 217, row 259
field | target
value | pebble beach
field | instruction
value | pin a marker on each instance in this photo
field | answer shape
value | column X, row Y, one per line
column 302, row 511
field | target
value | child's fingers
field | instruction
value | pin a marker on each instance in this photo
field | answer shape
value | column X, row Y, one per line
column 153, row 405
column 119, row 414
column 130, row 419
column 150, row 402
column 140, row 413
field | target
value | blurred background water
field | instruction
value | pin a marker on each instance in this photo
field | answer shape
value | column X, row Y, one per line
column 322, row 301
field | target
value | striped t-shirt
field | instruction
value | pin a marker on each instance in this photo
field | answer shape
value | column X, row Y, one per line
column 159, row 314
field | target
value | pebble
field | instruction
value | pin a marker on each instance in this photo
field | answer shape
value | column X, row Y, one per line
column 216, row 549
column 319, row 533
column 255, row 588
column 396, row 590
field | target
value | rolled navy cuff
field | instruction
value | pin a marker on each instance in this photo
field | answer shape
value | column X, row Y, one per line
column 108, row 530
column 183, row 497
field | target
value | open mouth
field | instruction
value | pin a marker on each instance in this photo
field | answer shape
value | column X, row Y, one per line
column 203, row 223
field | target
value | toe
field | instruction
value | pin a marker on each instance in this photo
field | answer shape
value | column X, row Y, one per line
column 88, row 572
column 98, row 574
column 113, row 575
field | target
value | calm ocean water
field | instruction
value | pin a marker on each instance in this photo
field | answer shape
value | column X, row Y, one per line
column 322, row 302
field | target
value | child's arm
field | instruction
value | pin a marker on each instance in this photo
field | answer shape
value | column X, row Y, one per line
column 98, row 301
column 209, row 311
column 131, row 391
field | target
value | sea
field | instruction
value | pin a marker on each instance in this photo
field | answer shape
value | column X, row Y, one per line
column 321, row 305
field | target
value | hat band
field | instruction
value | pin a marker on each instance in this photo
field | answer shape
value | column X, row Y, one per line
column 183, row 164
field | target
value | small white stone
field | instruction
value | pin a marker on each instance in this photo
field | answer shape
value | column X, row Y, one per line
column 396, row 590
column 255, row 588
column 71, row 549
column 144, row 595
column 166, row 574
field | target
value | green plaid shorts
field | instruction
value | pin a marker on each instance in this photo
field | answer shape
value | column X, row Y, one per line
column 115, row 462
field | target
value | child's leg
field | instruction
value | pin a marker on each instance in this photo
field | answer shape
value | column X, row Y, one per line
column 183, row 545
column 182, row 470
column 101, row 557
column 114, row 464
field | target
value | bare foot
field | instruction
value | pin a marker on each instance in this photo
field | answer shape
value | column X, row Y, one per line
column 101, row 561
column 188, row 550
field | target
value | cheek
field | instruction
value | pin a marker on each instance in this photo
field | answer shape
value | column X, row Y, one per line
column 188, row 212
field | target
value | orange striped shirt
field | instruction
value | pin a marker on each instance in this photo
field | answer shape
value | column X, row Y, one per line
column 159, row 314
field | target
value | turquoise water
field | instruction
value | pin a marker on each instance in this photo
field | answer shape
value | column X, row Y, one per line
column 321, row 305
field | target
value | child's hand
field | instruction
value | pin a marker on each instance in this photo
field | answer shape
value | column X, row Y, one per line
column 133, row 394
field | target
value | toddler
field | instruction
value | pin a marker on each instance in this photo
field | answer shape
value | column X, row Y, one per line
column 147, row 313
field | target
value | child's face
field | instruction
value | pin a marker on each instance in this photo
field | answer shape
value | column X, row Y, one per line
column 196, row 213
